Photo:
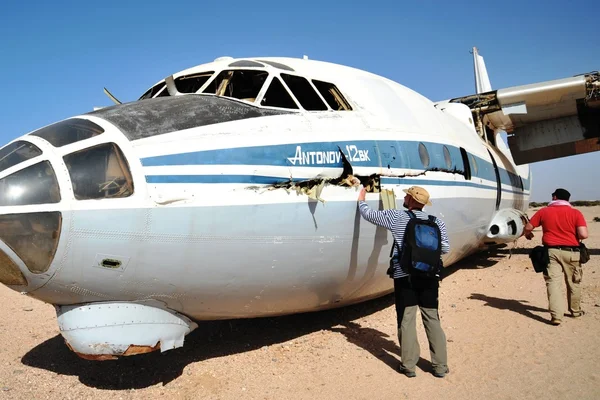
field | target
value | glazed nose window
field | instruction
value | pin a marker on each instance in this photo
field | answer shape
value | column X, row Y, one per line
column 33, row 237
column 16, row 153
column 99, row 172
column 68, row 131
column 10, row 274
column 35, row 184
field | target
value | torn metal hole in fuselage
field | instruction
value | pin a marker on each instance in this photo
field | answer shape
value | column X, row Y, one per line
column 314, row 186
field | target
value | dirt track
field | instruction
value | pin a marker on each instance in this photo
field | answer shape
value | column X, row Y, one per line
column 493, row 310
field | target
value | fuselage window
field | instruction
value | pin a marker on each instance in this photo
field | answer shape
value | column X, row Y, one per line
column 239, row 84
column 466, row 166
column 447, row 158
column 152, row 91
column 474, row 163
column 424, row 155
column 278, row 96
column 192, row 83
column 99, row 172
column 304, row 92
column 16, row 153
column 35, row 184
column 332, row 95
column 68, row 131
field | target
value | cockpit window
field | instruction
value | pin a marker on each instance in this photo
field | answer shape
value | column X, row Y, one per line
column 246, row 64
column 304, row 92
column 35, row 184
column 278, row 65
column 184, row 84
column 332, row 95
column 278, row 96
column 152, row 91
column 68, row 131
column 99, row 172
column 239, row 84
column 191, row 83
column 16, row 153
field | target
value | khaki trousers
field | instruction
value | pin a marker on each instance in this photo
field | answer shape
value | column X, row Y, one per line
column 563, row 263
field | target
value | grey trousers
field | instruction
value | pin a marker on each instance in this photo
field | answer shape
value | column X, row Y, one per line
column 412, row 294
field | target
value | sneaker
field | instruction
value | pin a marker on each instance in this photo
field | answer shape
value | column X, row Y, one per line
column 403, row 370
column 555, row 322
column 441, row 373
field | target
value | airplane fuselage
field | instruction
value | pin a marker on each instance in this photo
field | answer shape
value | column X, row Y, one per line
column 203, row 215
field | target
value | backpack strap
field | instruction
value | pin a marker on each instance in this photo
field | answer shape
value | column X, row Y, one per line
column 395, row 245
column 432, row 218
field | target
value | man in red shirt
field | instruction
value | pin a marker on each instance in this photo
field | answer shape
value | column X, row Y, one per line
column 563, row 227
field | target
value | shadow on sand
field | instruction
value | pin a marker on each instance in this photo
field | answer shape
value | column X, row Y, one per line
column 211, row 339
column 379, row 344
column 222, row 338
column 518, row 306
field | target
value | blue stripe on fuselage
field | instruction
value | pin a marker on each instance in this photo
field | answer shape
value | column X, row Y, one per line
column 363, row 153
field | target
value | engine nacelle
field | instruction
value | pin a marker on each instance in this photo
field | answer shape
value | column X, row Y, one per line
column 507, row 226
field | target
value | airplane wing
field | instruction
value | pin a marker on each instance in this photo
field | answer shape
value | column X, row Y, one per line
column 545, row 120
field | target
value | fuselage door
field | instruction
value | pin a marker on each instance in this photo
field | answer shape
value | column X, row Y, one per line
column 498, row 181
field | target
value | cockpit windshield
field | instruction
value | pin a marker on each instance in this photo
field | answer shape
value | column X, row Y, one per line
column 68, row 131
column 35, row 184
column 16, row 153
column 238, row 83
column 184, row 84
column 285, row 90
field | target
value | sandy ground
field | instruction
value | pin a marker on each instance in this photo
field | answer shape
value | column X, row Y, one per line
column 493, row 309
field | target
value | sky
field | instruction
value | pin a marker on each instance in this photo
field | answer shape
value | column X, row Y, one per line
column 57, row 56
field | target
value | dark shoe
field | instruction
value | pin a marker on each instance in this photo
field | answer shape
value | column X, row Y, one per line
column 555, row 322
column 441, row 373
column 403, row 370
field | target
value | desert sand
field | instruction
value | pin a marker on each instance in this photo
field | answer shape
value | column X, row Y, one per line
column 492, row 306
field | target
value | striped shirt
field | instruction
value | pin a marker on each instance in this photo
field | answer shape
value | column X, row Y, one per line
column 396, row 221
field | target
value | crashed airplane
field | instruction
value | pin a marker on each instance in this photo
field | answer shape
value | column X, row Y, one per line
column 225, row 191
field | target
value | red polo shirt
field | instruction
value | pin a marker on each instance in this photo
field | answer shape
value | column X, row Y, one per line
column 559, row 225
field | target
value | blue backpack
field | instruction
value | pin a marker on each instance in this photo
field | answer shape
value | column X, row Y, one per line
column 422, row 248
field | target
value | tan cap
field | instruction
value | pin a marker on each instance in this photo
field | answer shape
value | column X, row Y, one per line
column 419, row 194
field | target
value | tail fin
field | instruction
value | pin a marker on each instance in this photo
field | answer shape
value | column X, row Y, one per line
column 482, row 81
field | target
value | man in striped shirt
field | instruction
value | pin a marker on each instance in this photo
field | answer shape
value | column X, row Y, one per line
column 413, row 292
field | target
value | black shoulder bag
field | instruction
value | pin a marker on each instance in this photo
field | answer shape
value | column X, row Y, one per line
column 584, row 254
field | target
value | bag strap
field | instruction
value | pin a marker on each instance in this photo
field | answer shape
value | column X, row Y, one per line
column 411, row 216
column 392, row 249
